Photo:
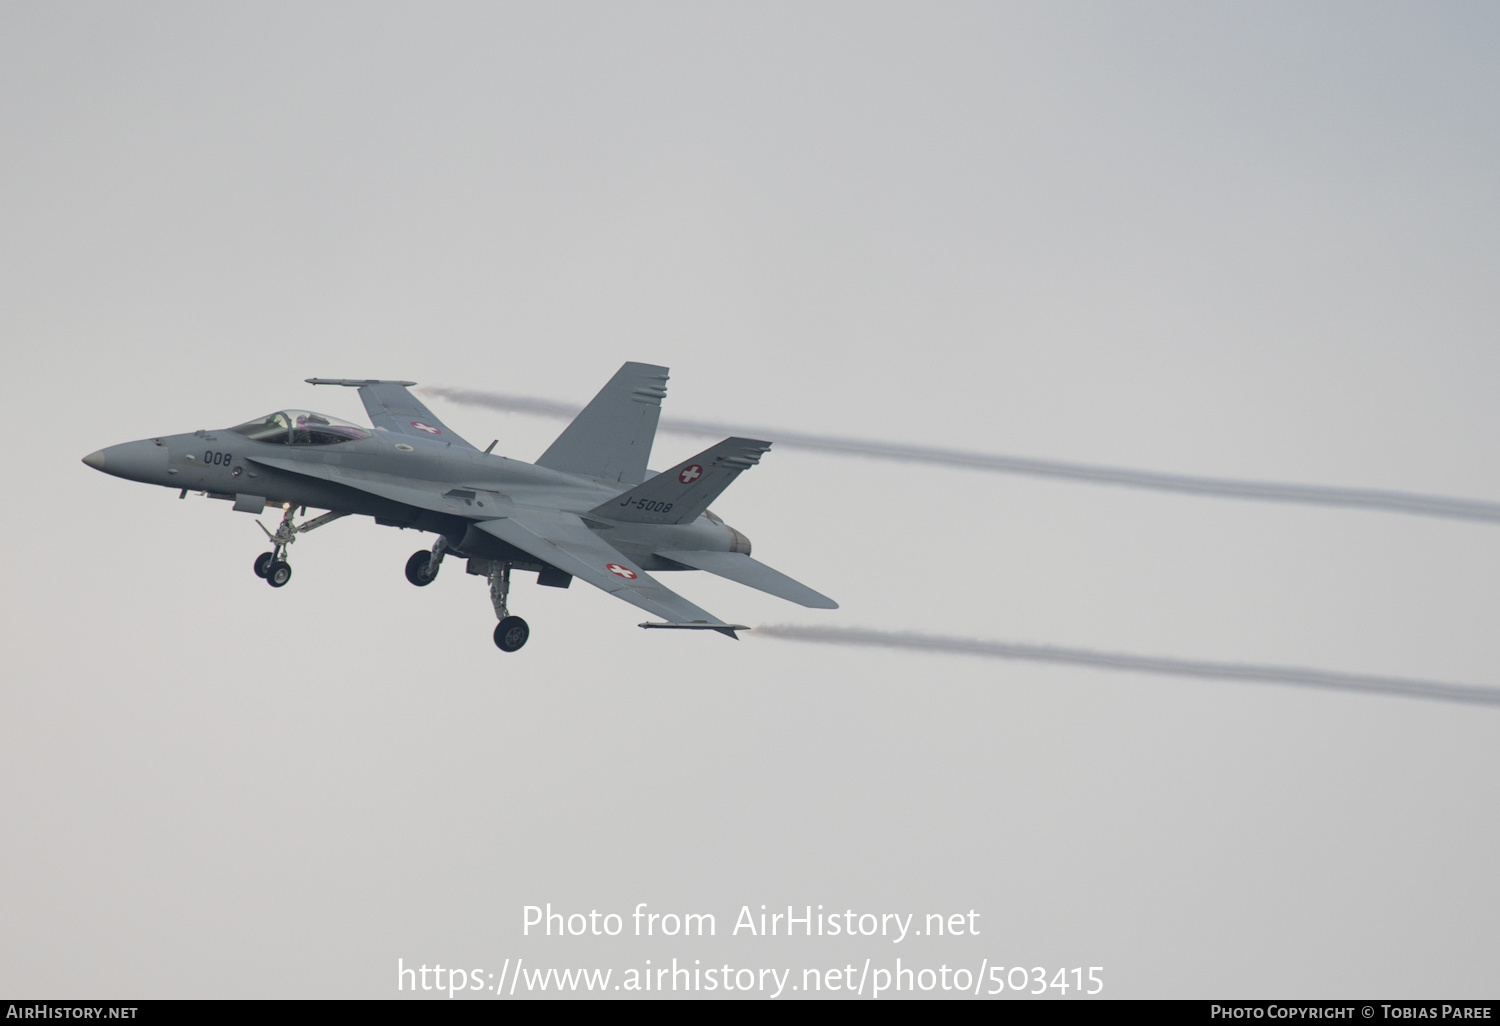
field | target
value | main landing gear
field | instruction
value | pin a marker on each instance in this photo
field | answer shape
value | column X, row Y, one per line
column 272, row 566
column 512, row 631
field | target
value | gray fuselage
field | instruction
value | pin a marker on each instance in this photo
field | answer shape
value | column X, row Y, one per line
column 450, row 488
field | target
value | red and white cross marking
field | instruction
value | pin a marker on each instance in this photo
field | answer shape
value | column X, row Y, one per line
column 690, row 474
column 428, row 428
column 620, row 571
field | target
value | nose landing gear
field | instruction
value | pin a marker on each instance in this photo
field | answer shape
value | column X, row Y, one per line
column 272, row 566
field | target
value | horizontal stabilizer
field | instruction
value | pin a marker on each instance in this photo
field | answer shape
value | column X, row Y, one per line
column 680, row 495
column 611, row 437
column 740, row 568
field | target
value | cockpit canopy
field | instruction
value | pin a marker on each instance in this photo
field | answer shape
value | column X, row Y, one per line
column 301, row 427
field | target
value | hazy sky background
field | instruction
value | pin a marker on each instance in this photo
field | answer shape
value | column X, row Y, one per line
column 1253, row 241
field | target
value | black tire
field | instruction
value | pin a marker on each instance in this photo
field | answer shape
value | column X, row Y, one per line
column 511, row 633
column 263, row 563
column 416, row 569
column 277, row 574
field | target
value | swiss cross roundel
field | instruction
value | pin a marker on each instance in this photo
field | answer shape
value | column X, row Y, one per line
column 690, row 474
column 620, row 571
column 426, row 428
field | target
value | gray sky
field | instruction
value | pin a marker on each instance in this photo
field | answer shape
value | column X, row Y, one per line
column 1244, row 241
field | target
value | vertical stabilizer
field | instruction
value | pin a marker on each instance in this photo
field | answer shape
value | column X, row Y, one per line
column 611, row 437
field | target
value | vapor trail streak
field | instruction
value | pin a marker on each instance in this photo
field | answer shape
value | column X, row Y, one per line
column 1316, row 495
column 862, row 636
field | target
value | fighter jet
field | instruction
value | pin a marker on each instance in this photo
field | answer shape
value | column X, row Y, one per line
column 587, row 508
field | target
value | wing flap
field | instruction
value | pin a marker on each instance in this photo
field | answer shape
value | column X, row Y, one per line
column 740, row 568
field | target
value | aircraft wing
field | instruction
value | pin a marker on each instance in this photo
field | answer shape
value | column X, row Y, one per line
column 562, row 540
column 740, row 568
column 393, row 408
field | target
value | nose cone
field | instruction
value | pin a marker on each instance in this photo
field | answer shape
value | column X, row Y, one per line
column 135, row 461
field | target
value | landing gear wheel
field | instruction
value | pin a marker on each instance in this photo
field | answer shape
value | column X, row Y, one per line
column 417, row 571
column 263, row 563
column 511, row 633
column 278, row 573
